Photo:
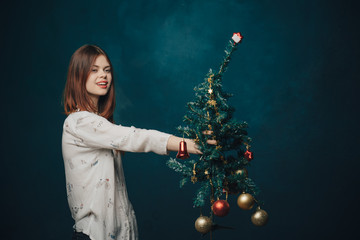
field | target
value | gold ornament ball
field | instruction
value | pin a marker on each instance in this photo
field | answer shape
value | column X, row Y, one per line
column 203, row 224
column 260, row 218
column 245, row 201
column 242, row 172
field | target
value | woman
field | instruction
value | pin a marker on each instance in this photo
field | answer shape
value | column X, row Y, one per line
column 91, row 146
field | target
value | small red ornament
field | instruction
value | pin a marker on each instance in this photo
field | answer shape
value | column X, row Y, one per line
column 220, row 208
column 183, row 153
column 249, row 155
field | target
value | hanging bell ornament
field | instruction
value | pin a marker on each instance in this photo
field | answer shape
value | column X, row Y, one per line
column 259, row 217
column 246, row 201
column 249, row 155
column 183, row 153
column 203, row 224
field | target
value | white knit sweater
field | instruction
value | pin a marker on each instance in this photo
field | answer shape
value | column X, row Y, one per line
column 95, row 182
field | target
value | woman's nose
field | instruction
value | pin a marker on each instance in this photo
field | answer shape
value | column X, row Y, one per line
column 103, row 74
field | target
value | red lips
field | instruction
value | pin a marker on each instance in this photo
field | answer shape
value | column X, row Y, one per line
column 104, row 85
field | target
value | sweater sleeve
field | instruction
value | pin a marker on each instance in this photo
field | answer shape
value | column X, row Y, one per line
column 97, row 132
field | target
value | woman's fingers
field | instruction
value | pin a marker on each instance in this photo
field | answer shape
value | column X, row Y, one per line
column 211, row 142
column 207, row 132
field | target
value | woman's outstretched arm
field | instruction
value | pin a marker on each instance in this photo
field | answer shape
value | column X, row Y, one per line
column 173, row 144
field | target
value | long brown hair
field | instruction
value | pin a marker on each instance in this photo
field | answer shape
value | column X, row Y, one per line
column 75, row 94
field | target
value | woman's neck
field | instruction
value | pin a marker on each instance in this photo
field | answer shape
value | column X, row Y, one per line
column 95, row 100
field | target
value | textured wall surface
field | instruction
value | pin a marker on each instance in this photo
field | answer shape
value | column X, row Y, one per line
column 295, row 80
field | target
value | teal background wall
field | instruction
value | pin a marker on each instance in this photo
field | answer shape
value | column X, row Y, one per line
column 295, row 80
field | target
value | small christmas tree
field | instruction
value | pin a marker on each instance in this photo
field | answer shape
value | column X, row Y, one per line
column 221, row 169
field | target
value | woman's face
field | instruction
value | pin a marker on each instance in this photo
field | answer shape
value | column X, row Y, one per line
column 99, row 80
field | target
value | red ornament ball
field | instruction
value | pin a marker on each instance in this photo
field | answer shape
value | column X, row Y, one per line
column 220, row 208
column 249, row 155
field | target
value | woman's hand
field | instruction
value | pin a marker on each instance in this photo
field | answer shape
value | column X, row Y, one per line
column 210, row 141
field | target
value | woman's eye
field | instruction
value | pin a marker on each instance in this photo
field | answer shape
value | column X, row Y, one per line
column 108, row 70
column 94, row 70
